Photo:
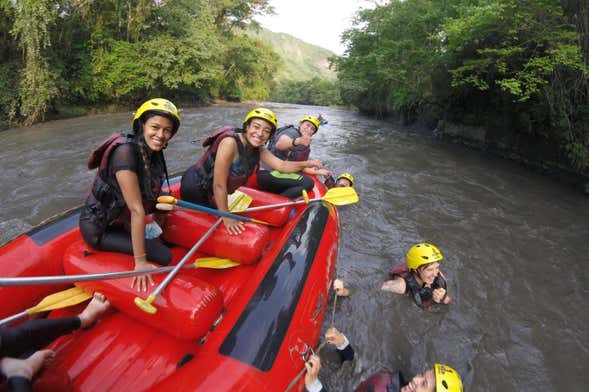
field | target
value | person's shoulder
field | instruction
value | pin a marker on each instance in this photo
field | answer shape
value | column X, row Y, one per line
column 124, row 151
column 288, row 130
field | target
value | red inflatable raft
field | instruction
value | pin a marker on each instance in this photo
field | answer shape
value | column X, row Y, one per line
column 243, row 328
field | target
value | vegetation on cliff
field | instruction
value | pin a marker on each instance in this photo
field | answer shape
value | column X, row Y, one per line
column 516, row 65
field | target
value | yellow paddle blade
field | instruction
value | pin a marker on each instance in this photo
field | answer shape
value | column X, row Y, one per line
column 167, row 199
column 60, row 299
column 238, row 201
column 341, row 196
column 215, row 263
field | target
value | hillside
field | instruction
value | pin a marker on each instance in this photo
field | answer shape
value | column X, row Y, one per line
column 302, row 61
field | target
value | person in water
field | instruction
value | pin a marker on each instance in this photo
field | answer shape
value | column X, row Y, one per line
column 420, row 276
column 231, row 159
column 291, row 144
column 33, row 335
column 441, row 378
column 345, row 352
column 131, row 170
column 342, row 181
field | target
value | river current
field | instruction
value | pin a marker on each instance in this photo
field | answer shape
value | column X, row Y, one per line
column 515, row 243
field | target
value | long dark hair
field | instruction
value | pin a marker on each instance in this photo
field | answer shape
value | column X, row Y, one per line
column 146, row 154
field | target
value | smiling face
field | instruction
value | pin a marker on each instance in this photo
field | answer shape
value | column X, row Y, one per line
column 425, row 382
column 307, row 128
column 258, row 131
column 343, row 182
column 428, row 272
column 157, row 131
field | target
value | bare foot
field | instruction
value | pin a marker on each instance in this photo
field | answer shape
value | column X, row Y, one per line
column 94, row 310
column 26, row 368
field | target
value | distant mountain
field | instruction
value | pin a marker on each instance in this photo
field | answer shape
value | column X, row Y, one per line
column 302, row 61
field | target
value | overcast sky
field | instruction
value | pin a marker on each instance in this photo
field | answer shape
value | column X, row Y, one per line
column 318, row 22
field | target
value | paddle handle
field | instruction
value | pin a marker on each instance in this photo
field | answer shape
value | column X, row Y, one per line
column 194, row 206
column 142, row 304
column 277, row 205
column 40, row 280
column 11, row 319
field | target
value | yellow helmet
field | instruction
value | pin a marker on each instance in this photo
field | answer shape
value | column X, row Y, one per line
column 159, row 106
column 447, row 379
column 422, row 254
column 347, row 176
column 313, row 120
column 264, row 114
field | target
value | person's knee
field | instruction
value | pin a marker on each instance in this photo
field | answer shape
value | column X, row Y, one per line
column 158, row 252
column 90, row 235
column 308, row 183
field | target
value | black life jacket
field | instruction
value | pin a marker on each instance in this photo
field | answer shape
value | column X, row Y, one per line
column 423, row 296
column 294, row 153
column 241, row 170
column 105, row 200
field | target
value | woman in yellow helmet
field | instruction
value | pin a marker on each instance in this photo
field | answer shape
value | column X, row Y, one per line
column 131, row 170
column 232, row 156
column 442, row 378
column 420, row 276
column 344, row 180
column 291, row 144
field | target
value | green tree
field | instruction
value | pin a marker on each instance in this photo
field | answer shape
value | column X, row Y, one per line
column 33, row 20
column 514, row 64
column 94, row 53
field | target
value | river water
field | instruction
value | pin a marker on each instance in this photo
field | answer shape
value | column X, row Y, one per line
column 515, row 243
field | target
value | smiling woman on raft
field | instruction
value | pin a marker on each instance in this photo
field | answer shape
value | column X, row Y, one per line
column 131, row 171
column 232, row 156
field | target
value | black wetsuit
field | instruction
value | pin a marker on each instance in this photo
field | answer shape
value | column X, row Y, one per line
column 22, row 341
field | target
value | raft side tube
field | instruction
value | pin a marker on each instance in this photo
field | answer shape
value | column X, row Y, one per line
column 186, row 308
column 267, row 316
column 37, row 253
column 185, row 228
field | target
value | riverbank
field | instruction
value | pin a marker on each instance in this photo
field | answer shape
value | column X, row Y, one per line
column 72, row 111
column 534, row 153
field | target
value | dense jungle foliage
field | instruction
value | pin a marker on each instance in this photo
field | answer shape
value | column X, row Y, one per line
column 57, row 54
column 520, row 65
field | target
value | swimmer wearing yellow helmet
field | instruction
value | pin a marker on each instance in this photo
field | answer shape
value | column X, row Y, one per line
column 420, row 276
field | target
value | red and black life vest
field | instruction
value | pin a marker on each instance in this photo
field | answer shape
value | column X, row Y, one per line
column 382, row 382
column 241, row 170
column 105, row 199
column 423, row 296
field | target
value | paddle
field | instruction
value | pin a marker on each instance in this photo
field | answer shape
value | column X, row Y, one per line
column 198, row 207
column 204, row 262
column 61, row 299
column 337, row 196
column 235, row 200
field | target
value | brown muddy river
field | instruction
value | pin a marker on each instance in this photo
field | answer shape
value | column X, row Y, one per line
column 516, row 244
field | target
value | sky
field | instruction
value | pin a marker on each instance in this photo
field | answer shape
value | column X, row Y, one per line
column 318, row 22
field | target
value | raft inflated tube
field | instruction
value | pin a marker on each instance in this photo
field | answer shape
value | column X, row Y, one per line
column 277, row 216
column 186, row 227
column 186, row 309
